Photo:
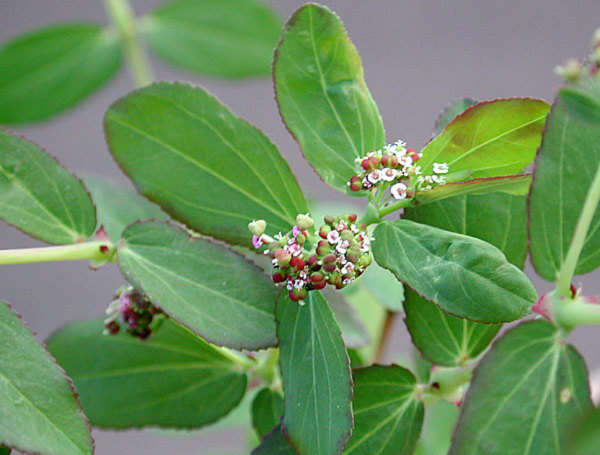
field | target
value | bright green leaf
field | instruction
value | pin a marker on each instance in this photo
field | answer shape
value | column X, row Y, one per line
column 118, row 206
column 463, row 275
column 215, row 292
column 584, row 437
column 315, row 374
column 354, row 332
column 437, row 431
column 387, row 415
column 173, row 379
column 267, row 409
column 523, row 395
column 565, row 167
column 451, row 111
column 274, row 444
column 49, row 70
column 226, row 38
column 205, row 167
column 493, row 138
column 39, row 412
column 322, row 95
column 39, row 196
column 515, row 185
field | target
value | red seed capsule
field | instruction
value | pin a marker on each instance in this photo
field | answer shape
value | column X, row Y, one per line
column 352, row 217
column 297, row 263
column 412, row 153
column 355, row 183
column 319, row 285
column 277, row 278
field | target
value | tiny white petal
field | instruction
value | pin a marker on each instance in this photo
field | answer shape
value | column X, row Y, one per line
column 399, row 191
column 440, row 168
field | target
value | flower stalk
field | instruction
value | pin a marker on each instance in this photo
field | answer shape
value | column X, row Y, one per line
column 98, row 250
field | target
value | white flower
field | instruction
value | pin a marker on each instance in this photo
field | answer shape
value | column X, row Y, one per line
column 405, row 161
column 342, row 247
column 333, row 237
column 440, row 168
column 374, row 176
column 354, row 229
column 348, row 267
column 299, row 284
column 438, row 179
column 391, row 149
column 366, row 184
column 294, row 250
column 289, row 286
column 388, row 175
column 341, row 226
column 399, row 191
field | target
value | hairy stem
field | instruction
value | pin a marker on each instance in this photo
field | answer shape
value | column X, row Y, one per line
column 94, row 251
column 122, row 16
column 567, row 269
column 401, row 204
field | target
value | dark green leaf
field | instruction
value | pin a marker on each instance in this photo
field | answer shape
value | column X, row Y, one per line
column 322, row 95
column 316, row 376
column 173, row 379
column 442, row 338
column 49, row 70
column 39, row 196
column 584, row 437
column 515, row 185
column 523, row 395
column 493, row 138
column 205, row 167
column 267, row 409
column 564, row 169
column 118, row 206
column 4, row 450
column 227, row 38
column 463, row 275
column 212, row 290
column 274, row 444
column 497, row 218
column 451, row 111
column 39, row 412
column 354, row 332
column 437, row 431
column 387, row 415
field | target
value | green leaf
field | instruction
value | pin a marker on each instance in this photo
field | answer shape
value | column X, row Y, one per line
column 274, row 444
column 322, row 95
column 228, row 38
column 493, row 138
column 39, row 411
column 584, row 437
column 4, row 450
column 173, row 379
column 205, row 167
column 387, row 415
column 315, row 374
column 215, row 292
column 515, row 185
column 564, row 169
column 497, row 218
column 442, row 338
column 465, row 276
column 267, row 409
column 354, row 332
column 51, row 69
column 437, row 431
column 451, row 111
column 39, row 196
column 118, row 206
column 523, row 395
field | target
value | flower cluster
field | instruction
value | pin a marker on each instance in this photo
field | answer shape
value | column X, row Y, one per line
column 395, row 167
column 302, row 262
column 134, row 309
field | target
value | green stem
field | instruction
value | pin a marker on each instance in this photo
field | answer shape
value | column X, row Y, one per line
column 243, row 361
column 123, row 17
column 570, row 314
column 567, row 269
column 401, row 204
column 94, row 251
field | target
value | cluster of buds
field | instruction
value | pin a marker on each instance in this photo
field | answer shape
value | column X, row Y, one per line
column 396, row 167
column 134, row 310
column 302, row 262
column 573, row 69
